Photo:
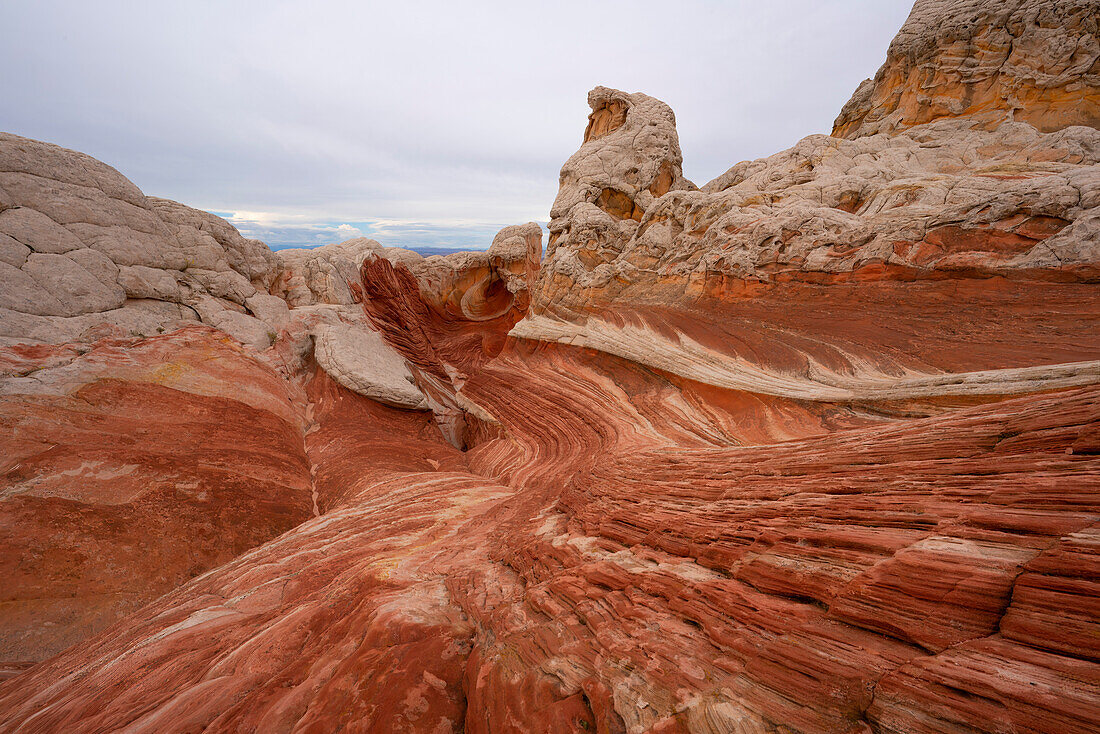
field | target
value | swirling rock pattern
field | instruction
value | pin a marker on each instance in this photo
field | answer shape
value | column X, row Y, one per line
column 812, row 448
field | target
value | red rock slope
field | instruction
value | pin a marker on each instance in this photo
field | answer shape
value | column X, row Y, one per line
column 129, row 468
column 814, row 448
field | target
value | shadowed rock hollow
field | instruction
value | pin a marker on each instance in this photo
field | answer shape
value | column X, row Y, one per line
column 814, row 447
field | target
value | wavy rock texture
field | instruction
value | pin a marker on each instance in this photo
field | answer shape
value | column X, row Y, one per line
column 812, row 448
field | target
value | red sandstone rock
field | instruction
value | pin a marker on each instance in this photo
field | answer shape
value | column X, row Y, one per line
column 129, row 469
column 637, row 584
column 813, row 449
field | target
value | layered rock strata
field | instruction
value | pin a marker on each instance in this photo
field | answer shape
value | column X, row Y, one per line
column 133, row 325
column 812, row 448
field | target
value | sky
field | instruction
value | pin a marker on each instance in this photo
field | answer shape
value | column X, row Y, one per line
column 420, row 124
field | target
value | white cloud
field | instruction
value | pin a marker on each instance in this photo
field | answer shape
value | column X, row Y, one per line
column 347, row 232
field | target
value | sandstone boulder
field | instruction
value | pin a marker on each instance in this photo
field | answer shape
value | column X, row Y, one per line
column 360, row 359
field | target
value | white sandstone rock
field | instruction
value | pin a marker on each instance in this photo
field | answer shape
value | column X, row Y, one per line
column 37, row 231
column 272, row 310
column 361, row 360
column 78, row 290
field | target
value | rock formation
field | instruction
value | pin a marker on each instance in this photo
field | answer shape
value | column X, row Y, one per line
column 814, row 447
column 1033, row 61
column 131, row 466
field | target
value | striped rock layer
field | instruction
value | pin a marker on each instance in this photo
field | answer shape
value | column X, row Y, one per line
column 814, row 447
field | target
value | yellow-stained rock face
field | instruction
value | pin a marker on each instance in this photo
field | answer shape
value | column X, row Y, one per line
column 1034, row 62
column 608, row 117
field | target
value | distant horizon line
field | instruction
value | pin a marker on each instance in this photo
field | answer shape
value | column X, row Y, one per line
column 415, row 248
column 283, row 230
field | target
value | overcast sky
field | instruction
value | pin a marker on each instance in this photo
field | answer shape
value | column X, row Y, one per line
column 417, row 123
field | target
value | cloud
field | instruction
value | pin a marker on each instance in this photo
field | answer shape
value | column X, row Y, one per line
column 428, row 114
column 282, row 230
column 347, row 232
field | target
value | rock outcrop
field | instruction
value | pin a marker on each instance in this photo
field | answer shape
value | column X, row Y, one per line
column 812, row 448
column 889, row 233
column 482, row 286
column 113, row 384
column 84, row 250
column 1034, row 61
column 630, row 158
